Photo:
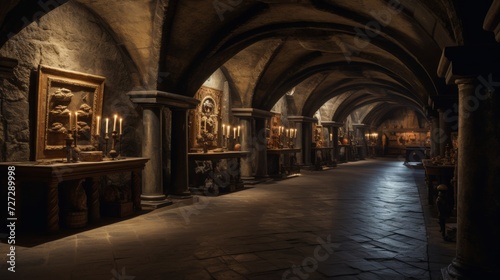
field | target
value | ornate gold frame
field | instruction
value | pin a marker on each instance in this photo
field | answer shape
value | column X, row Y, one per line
column 59, row 93
column 196, row 116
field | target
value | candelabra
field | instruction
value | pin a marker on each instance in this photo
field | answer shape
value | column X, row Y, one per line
column 114, row 140
column 72, row 150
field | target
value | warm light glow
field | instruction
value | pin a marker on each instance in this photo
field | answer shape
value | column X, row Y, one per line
column 98, row 124
column 114, row 123
column 121, row 122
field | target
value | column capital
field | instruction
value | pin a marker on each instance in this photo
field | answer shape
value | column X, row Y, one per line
column 251, row 113
column 302, row 119
column 7, row 66
column 162, row 98
column 332, row 124
column 459, row 62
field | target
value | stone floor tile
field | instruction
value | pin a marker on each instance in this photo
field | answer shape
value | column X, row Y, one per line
column 372, row 212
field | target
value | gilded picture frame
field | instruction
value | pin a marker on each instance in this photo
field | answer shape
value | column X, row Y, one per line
column 62, row 93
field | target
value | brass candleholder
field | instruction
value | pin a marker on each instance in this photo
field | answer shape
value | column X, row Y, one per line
column 69, row 150
column 113, row 153
column 97, row 144
column 106, row 139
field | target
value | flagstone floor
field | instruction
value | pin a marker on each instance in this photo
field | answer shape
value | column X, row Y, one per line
column 361, row 220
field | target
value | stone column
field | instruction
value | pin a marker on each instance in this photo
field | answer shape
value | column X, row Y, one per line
column 247, row 145
column 298, row 143
column 435, row 136
column 179, row 153
column 478, row 212
column 261, row 149
column 359, row 133
column 304, row 138
column 444, row 132
column 152, row 102
column 333, row 128
column 152, row 184
column 253, row 139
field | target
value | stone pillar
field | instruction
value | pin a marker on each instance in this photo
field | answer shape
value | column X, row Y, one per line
column 478, row 212
column 435, row 136
column 153, row 102
column 247, row 145
column 333, row 128
column 304, row 138
column 359, row 133
column 261, row 149
column 179, row 153
column 152, row 184
column 444, row 132
column 298, row 143
column 253, row 139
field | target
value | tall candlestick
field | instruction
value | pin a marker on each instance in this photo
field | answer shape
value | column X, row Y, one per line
column 76, row 119
column 234, row 133
column 114, row 123
column 239, row 127
column 223, row 130
column 97, row 125
column 107, row 125
column 121, row 122
column 70, row 123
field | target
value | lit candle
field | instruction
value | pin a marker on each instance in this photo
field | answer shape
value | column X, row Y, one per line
column 76, row 119
column 239, row 127
column 107, row 125
column 234, row 132
column 121, row 122
column 228, row 131
column 114, row 123
column 287, row 133
column 97, row 125
column 295, row 133
column 331, row 137
column 223, row 129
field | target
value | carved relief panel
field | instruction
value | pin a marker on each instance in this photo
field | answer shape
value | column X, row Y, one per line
column 205, row 120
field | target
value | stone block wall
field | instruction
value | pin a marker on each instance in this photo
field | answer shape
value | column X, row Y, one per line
column 70, row 38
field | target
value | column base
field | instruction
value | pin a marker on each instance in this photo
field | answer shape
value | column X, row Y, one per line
column 153, row 197
column 146, row 204
column 183, row 195
column 457, row 270
column 154, row 201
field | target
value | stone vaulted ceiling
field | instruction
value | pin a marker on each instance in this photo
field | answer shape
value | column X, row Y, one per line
column 382, row 52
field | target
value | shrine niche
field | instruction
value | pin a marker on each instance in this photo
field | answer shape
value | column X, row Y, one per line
column 67, row 101
column 205, row 120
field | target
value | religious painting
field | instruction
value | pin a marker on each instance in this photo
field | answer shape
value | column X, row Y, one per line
column 205, row 119
column 68, row 102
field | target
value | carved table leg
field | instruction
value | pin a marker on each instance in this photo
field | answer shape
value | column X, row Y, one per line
column 136, row 188
column 93, row 199
column 53, row 206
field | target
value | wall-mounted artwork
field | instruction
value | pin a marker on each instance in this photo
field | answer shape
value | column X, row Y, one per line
column 67, row 101
column 205, row 119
